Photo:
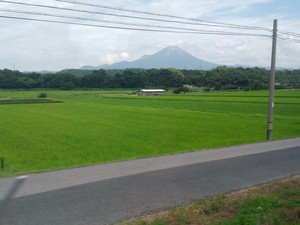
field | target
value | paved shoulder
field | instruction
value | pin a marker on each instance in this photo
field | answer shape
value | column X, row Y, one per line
column 43, row 182
column 111, row 200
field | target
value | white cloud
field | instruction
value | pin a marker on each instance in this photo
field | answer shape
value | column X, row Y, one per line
column 112, row 58
column 37, row 46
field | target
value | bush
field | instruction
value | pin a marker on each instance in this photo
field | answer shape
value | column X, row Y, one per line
column 42, row 95
column 206, row 89
column 180, row 90
column 230, row 87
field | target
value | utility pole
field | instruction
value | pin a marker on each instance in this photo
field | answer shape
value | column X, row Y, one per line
column 272, row 83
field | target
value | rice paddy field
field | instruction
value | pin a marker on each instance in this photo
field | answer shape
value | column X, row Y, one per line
column 97, row 126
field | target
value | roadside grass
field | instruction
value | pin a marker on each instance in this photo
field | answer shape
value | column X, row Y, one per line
column 276, row 203
column 99, row 126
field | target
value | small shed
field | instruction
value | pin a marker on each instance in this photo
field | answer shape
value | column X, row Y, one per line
column 144, row 92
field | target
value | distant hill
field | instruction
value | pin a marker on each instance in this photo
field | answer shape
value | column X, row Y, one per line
column 76, row 72
column 170, row 57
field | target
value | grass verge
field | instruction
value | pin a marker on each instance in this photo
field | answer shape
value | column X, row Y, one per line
column 276, row 203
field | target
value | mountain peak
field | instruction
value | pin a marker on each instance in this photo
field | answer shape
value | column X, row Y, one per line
column 171, row 50
column 169, row 57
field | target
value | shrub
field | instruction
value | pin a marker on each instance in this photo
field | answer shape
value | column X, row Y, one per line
column 206, row 89
column 180, row 90
column 42, row 95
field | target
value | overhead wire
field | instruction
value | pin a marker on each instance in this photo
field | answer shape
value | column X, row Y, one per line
column 288, row 39
column 132, row 28
column 292, row 36
column 125, row 23
column 208, row 23
column 289, row 34
column 134, row 17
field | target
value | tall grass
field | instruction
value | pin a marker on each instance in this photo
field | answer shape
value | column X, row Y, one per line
column 275, row 203
column 88, row 129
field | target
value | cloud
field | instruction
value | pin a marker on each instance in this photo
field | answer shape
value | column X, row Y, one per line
column 37, row 46
column 112, row 58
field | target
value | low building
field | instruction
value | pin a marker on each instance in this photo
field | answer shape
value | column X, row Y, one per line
column 144, row 92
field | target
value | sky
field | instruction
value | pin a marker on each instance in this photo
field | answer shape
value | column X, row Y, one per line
column 35, row 46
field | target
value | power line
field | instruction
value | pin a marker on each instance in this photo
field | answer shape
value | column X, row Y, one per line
column 290, row 34
column 132, row 28
column 119, row 23
column 207, row 23
column 97, row 20
column 198, row 22
column 99, row 13
column 288, row 39
column 124, row 16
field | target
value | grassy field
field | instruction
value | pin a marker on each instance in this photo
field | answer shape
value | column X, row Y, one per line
column 276, row 203
column 97, row 126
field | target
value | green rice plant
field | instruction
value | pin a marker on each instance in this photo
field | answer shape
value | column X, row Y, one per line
column 97, row 126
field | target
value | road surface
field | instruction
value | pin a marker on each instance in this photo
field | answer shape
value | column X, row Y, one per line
column 109, row 193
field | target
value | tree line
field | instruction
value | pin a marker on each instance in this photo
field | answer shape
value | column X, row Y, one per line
column 220, row 78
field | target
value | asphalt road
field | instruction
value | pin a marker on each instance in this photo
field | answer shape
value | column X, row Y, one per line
column 113, row 199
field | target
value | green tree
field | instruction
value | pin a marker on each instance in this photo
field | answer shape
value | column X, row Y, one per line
column 180, row 90
column 26, row 82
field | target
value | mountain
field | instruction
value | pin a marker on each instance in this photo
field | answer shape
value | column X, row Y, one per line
column 170, row 57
